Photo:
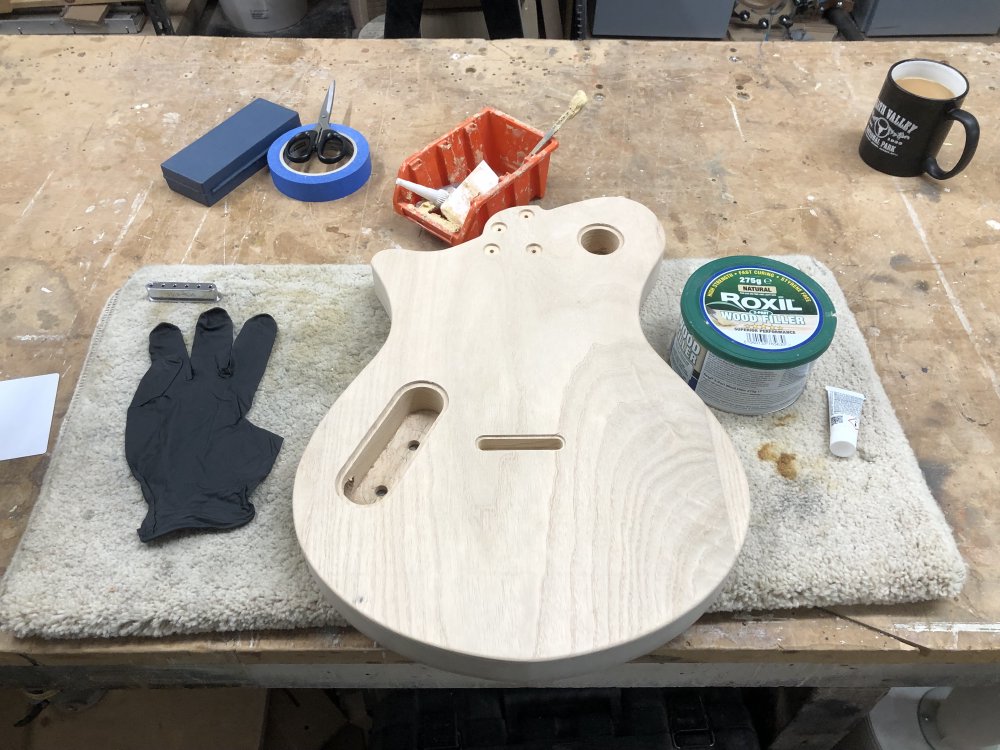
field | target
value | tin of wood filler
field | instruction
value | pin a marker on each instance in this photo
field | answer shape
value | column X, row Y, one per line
column 750, row 330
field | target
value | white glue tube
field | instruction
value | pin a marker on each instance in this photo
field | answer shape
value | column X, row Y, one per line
column 845, row 419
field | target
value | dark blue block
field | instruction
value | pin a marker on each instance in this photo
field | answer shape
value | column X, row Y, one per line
column 229, row 153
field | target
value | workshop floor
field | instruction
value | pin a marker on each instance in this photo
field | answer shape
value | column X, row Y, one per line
column 324, row 19
column 185, row 719
column 285, row 719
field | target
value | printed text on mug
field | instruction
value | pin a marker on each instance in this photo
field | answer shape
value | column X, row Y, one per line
column 887, row 129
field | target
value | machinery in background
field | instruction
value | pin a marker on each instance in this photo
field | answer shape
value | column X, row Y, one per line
column 920, row 718
column 764, row 14
column 927, row 17
column 677, row 19
column 703, row 19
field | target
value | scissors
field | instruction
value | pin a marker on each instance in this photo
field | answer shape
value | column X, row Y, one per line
column 329, row 146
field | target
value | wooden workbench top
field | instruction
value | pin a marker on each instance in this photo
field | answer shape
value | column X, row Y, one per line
column 738, row 147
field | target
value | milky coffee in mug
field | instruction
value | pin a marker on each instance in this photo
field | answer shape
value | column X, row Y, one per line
column 915, row 109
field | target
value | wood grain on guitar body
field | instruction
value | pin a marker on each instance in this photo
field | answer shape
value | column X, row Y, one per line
column 517, row 486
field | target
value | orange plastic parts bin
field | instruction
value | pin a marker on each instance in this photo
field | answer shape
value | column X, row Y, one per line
column 490, row 136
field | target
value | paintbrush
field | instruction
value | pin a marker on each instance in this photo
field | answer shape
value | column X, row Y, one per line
column 575, row 105
column 434, row 195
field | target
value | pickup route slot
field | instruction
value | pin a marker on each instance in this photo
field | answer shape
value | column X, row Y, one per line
column 381, row 460
column 519, row 442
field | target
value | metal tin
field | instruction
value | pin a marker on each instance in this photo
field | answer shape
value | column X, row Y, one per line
column 751, row 329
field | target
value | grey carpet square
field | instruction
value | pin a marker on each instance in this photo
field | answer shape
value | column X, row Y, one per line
column 823, row 530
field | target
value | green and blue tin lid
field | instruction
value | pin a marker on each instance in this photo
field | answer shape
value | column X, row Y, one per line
column 758, row 312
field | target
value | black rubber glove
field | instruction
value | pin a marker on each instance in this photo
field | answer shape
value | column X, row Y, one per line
column 187, row 439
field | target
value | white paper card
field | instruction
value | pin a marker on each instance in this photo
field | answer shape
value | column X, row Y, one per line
column 26, row 406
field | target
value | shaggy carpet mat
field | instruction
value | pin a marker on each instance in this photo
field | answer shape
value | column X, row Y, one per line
column 823, row 530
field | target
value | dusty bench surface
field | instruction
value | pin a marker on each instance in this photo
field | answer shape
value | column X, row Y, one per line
column 737, row 147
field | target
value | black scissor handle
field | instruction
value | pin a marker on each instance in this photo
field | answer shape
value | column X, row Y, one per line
column 300, row 147
column 333, row 148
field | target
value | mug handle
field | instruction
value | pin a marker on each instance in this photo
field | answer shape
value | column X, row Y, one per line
column 971, row 125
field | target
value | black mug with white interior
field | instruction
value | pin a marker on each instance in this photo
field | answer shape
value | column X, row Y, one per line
column 915, row 109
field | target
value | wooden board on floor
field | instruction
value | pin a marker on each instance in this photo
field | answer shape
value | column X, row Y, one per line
column 817, row 30
column 17, row 5
column 167, row 719
column 85, row 14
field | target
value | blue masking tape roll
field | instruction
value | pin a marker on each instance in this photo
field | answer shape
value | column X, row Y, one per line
column 320, row 186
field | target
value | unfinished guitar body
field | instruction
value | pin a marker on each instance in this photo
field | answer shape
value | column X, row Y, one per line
column 517, row 487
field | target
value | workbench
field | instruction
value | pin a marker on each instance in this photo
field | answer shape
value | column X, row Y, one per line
column 737, row 147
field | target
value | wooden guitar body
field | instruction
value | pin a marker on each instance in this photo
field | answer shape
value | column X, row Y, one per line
column 517, row 486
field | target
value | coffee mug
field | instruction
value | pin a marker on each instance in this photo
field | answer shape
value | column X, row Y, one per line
column 912, row 116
